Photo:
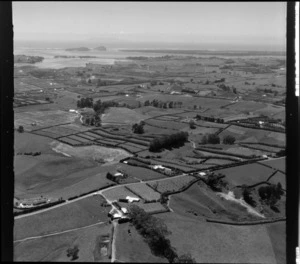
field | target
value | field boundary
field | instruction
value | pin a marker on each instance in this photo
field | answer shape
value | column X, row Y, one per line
column 259, row 222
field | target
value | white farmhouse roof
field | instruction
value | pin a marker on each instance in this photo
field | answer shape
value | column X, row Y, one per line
column 118, row 174
column 124, row 210
column 202, row 173
column 158, row 167
column 132, row 199
column 117, row 215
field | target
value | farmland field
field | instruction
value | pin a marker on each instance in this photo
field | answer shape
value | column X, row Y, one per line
column 144, row 191
column 279, row 177
column 217, row 243
column 117, row 193
column 140, row 173
column 246, row 174
column 57, row 176
column 54, row 248
column 74, row 215
column 254, row 135
column 122, row 115
column 276, row 163
column 43, row 119
column 173, row 184
column 131, row 247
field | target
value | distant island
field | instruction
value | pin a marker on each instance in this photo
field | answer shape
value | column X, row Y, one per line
column 208, row 52
column 27, row 59
column 72, row 57
column 100, row 48
column 78, row 49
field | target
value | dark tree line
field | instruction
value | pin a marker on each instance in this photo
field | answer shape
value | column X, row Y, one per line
column 154, row 231
column 210, row 119
column 215, row 139
column 100, row 107
column 85, row 102
column 168, row 141
column 163, row 104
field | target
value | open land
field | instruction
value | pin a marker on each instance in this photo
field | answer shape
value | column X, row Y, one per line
column 65, row 159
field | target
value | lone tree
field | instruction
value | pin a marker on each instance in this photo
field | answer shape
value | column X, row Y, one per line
column 192, row 124
column 20, row 129
column 229, row 140
column 73, row 252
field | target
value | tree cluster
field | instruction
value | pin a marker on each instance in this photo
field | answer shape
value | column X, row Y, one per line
column 209, row 119
column 154, row 231
column 85, row 102
column 210, row 139
column 271, row 194
column 100, row 107
column 247, row 196
column 73, row 252
column 228, row 140
column 168, row 141
column 138, row 128
column 281, row 153
column 20, row 129
column 216, row 182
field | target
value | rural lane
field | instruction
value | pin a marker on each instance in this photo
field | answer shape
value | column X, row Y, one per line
column 90, row 194
column 100, row 192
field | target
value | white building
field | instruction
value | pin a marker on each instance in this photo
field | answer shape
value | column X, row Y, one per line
column 132, row 199
column 124, row 210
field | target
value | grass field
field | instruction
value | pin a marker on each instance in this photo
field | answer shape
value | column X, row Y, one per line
column 246, row 174
column 277, row 233
column 254, row 135
column 173, row 184
column 109, row 155
column 199, row 201
column 140, row 173
column 58, row 176
column 279, row 177
column 131, row 247
column 54, row 248
column 144, row 191
column 43, row 119
column 26, row 142
column 217, row 243
column 276, row 164
column 122, row 115
column 74, row 215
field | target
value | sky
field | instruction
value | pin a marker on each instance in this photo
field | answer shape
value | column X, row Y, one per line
column 260, row 24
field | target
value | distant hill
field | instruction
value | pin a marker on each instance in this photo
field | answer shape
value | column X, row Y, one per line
column 78, row 49
column 101, row 48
